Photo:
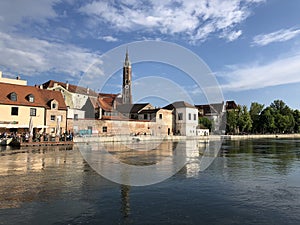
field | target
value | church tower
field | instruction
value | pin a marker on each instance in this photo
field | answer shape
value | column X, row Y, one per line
column 126, row 92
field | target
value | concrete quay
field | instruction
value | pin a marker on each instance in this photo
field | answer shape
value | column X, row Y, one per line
column 261, row 136
column 143, row 138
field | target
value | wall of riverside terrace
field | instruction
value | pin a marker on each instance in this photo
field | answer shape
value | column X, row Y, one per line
column 117, row 127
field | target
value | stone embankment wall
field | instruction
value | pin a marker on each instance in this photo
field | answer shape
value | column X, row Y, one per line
column 180, row 138
column 128, row 138
column 260, row 136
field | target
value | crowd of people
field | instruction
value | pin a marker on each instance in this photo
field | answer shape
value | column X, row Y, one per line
column 37, row 136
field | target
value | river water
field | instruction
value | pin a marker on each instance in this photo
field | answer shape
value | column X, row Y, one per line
column 249, row 182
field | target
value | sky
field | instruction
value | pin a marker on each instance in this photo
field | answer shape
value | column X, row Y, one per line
column 252, row 47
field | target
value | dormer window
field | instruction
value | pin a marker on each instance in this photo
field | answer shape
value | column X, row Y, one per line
column 13, row 96
column 31, row 98
column 54, row 104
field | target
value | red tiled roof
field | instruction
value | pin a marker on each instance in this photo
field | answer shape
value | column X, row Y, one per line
column 108, row 95
column 72, row 88
column 107, row 101
column 42, row 97
column 104, row 105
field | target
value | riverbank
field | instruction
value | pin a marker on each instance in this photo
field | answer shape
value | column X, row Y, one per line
column 261, row 136
column 182, row 138
column 143, row 138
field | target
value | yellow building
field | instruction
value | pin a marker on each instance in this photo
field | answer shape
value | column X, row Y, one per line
column 22, row 106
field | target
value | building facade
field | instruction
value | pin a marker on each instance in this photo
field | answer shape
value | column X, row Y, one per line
column 75, row 97
column 23, row 107
column 185, row 118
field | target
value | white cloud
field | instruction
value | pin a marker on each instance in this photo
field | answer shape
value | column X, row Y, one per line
column 194, row 19
column 14, row 12
column 278, row 72
column 277, row 36
column 232, row 35
column 108, row 38
column 31, row 56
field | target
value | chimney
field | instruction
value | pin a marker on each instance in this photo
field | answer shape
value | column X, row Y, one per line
column 18, row 77
column 41, row 86
column 67, row 85
column 87, row 90
column 0, row 74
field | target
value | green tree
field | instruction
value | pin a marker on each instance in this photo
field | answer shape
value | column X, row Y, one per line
column 205, row 123
column 231, row 121
column 267, row 121
column 283, row 117
column 284, row 123
column 280, row 107
column 255, row 111
column 296, row 115
column 244, row 119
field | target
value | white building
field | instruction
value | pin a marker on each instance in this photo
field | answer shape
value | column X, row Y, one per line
column 185, row 118
column 75, row 97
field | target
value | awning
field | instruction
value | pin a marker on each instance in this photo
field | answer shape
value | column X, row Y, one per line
column 9, row 126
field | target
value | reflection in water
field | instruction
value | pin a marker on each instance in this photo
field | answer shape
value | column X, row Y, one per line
column 27, row 173
column 145, row 163
column 250, row 182
column 275, row 155
column 125, row 206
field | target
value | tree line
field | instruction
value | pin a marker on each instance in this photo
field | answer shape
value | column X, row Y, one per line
column 275, row 118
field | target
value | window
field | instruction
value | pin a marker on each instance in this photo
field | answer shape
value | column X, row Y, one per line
column 145, row 116
column 32, row 112
column 180, row 116
column 54, row 105
column 190, row 116
column 160, row 116
column 52, row 117
column 14, row 111
column 75, row 116
column 195, row 117
column 104, row 129
column 13, row 96
column 31, row 98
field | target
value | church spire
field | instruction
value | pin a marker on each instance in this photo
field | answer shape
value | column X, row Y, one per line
column 126, row 93
column 127, row 62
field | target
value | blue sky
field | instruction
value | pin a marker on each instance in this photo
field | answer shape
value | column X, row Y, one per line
column 251, row 46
